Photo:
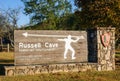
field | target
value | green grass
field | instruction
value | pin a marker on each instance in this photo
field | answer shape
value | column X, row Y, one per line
column 82, row 76
column 117, row 55
column 7, row 58
column 6, row 55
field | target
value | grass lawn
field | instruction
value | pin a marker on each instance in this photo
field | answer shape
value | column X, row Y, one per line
column 82, row 76
column 7, row 58
column 117, row 54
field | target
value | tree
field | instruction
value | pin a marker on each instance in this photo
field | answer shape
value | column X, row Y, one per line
column 12, row 16
column 99, row 12
column 8, row 23
column 102, row 13
column 69, row 22
column 2, row 21
column 12, row 19
column 47, row 11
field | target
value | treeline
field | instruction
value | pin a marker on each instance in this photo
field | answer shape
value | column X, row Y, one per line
column 59, row 14
column 8, row 23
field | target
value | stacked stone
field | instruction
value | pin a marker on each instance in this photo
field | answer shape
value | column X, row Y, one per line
column 106, row 54
column 52, row 68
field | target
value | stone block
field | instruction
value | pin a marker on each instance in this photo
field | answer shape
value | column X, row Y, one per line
column 99, row 68
column 103, row 62
column 109, row 68
column 10, row 72
column 20, row 67
column 31, row 72
column 9, row 67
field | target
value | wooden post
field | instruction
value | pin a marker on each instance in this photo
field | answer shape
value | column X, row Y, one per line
column 0, row 44
column 8, row 47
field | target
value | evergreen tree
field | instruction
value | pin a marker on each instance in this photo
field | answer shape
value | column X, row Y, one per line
column 46, row 11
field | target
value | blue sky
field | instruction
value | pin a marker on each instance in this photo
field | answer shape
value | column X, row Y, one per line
column 23, row 19
column 5, row 4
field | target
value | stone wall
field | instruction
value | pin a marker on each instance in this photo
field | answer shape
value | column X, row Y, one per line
column 52, row 68
column 101, row 48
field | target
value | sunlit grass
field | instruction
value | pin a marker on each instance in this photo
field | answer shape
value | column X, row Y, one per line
column 117, row 55
column 71, row 76
column 6, row 57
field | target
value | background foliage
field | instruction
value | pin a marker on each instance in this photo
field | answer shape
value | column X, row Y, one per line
column 100, row 13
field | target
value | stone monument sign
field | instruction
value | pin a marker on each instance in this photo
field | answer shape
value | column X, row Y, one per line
column 43, row 51
column 46, row 47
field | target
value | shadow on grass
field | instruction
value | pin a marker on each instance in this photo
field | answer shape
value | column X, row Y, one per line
column 4, row 63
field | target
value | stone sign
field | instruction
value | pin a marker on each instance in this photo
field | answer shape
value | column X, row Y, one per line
column 45, row 47
column 45, row 51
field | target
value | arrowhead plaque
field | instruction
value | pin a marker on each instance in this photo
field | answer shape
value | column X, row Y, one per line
column 105, row 38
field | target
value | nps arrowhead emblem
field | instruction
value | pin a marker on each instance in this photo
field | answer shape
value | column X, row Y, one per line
column 105, row 38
